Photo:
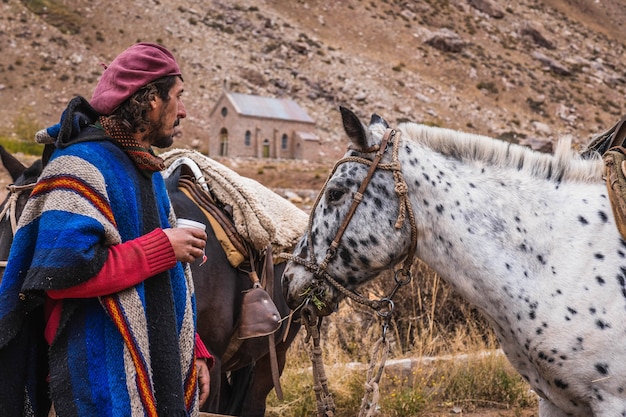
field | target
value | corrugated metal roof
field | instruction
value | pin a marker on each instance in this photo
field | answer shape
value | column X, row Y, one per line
column 270, row 108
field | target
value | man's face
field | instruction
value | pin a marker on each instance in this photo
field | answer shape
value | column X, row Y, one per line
column 165, row 117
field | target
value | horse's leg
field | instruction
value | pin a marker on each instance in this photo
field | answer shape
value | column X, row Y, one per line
column 225, row 394
column 263, row 383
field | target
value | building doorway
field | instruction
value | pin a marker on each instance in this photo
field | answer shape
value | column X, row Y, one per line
column 223, row 142
column 266, row 148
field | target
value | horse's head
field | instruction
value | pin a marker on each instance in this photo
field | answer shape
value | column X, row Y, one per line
column 24, row 180
column 357, row 227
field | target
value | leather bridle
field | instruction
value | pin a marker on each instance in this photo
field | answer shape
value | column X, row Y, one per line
column 390, row 138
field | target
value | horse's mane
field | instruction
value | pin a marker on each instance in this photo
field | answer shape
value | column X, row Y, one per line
column 564, row 165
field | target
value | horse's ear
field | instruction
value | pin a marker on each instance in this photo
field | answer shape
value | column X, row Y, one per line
column 15, row 167
column 354, row 128
column 377, row 119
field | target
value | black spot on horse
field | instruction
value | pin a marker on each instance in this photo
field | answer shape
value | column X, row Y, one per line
column 603, row 217
column 345, row 256
column 559, row 383
column 601, row 324
column 602, row 368
column 600, row 280
column 583, row 221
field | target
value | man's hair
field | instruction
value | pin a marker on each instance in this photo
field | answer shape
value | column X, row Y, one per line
column 132, row 112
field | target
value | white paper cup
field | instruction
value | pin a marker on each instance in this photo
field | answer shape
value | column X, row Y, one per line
column 190, row 224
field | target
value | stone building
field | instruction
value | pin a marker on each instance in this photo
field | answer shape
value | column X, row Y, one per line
column 261, row 127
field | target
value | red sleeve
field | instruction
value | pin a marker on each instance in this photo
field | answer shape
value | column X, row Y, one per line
column 127, row 265
column 203, row 353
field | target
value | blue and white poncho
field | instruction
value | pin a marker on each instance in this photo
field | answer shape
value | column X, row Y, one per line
column 128, row 354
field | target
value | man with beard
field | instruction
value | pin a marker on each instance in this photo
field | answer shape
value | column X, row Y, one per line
column 97, row 310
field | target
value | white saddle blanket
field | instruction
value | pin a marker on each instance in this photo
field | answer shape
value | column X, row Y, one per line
column 261, row 216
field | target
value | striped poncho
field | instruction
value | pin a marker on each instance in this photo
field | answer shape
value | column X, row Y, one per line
column 128, row 354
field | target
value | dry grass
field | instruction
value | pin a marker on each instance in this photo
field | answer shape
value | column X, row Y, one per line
column 444, row 358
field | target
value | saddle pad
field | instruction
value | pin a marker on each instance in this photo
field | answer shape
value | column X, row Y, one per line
column 261, row 216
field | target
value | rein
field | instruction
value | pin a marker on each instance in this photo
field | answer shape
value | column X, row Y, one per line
column 10, row 206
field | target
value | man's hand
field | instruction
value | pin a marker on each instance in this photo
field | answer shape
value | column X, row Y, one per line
column 188, row 243
column 204, row 381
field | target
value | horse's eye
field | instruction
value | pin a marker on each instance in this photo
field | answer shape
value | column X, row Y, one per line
column 334, row 195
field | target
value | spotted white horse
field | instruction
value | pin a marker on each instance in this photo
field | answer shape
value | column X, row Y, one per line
column 528, row 238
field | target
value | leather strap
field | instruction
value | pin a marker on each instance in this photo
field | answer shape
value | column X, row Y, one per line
column 269, row 285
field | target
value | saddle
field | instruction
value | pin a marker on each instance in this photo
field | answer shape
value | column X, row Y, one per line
column 259, row 315
column 610, row 145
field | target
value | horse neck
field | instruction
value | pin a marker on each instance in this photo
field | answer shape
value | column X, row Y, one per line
column 483, row 227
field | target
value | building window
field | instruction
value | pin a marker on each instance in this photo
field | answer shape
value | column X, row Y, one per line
column 248, row 140
column 284, row 143
column 224, row 111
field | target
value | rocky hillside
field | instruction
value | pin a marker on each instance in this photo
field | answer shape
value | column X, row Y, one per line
column 528, row 70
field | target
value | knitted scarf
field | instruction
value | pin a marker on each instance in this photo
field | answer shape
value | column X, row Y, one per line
column 142, row 157
column 128, row 354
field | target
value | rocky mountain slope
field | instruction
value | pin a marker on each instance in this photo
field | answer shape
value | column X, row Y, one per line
column 528, row 70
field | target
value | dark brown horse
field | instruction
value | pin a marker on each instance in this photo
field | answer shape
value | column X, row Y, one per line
column 241, row 378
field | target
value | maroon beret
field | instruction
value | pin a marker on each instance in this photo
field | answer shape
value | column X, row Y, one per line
column 134, row 68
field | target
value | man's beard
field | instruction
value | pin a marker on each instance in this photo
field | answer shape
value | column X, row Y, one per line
column 160, row 140
column 163, row 141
